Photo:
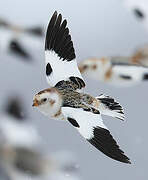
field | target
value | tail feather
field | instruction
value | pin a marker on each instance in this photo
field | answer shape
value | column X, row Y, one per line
column 110, row 107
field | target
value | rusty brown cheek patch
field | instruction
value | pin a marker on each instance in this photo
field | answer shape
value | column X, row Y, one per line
column 57, row 114
column 52, row 102
column 108, row 74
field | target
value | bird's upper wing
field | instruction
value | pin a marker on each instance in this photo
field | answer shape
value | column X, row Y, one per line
column 91, row 127
column 60, row 54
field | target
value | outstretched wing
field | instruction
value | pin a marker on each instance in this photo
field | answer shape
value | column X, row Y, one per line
column 60, row 54
column 91, row 127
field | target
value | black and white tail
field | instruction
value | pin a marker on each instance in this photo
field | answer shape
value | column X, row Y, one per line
column 110, row 107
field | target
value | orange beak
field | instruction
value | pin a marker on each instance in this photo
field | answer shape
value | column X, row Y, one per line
column 35, row 103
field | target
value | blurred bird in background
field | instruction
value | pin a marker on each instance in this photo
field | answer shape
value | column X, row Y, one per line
column 20, row 153
column 15, row 39
column 122, row 71
column 118, row 70
column 139, row 8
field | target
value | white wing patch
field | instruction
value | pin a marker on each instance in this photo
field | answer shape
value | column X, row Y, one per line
column 86, row 120
column 61, row 70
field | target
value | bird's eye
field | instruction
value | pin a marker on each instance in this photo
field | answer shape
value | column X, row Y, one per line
column 45, row 99
column 139, row 13
column 85, row 67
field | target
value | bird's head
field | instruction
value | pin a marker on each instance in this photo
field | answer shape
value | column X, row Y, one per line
column 48, row 101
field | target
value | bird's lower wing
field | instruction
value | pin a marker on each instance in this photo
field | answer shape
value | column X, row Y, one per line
column 91, row 127
column 60, row 54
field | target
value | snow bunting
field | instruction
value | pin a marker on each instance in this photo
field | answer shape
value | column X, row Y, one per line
column 119, row 71
column 12, row 38
column 81, row 110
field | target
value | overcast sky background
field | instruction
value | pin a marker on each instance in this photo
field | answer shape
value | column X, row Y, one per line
column 98, row 28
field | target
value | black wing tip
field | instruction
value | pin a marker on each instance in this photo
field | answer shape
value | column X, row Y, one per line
column 128, row 161
column 14, row 107
column 145, row 76
column 54, row 16
column 58, row 38
column 16, row 48
column 55, row 13
column 104, row 142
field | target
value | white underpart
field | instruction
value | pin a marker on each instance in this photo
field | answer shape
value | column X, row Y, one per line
column 86, row 120
column 61, row 70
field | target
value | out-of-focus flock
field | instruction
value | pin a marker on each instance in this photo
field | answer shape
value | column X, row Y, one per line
column 20, row 157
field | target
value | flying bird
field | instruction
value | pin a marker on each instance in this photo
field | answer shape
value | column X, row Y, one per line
column 12, row 38
column 118, row 71
column 66, row 100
